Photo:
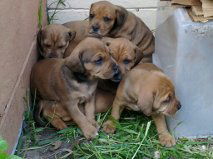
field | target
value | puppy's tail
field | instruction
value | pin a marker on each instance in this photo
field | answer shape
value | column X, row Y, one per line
column 37, row 115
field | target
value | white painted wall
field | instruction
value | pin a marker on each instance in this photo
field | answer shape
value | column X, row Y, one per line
column 79, row 10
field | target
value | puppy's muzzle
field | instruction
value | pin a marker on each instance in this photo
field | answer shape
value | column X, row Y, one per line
column 95, row 31
column 178, row 105
column 115, row 68
column 95, row 28
column 117, row 74
column 53, row 55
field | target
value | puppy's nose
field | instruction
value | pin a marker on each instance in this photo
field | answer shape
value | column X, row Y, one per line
column 95, row 27
column 53, row 55
column 178, row 105
column 115, row 68
column 117, row 77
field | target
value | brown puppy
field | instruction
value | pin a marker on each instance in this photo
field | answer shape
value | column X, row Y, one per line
column 127, row 55
column 106, row 19
column 147, row 89
column 59, row 117
column 53, row 40
column 71, row 82
column 81, row 29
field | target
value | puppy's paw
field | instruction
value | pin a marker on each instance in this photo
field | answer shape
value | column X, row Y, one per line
column 167, row 140
column 109, row 127
column 62, row 126
column 94, row 123
column 90, row 132
column 58, row 123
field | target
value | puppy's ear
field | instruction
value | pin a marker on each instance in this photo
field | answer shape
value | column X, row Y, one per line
column 71, row 35
column 39, row 39
column 145, row 100
column 121, row 14
column 75, row 62
column 108, row 43
column 138, row 55
column 91, row 6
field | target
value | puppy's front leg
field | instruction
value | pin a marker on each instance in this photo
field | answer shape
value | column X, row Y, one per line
column 88, row 129
column 90, row 111
column 51, row 111
column 117, row 108
column 165, row 138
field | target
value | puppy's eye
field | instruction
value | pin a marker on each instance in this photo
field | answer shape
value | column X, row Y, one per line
column 167, row 100
column 91, row 16
column 126, row 61
column 99, row 61
column 107, row 19
column 47, row 45
column 61, row 46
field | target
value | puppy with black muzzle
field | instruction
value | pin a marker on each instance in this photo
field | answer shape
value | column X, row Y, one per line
column 126, row 55
column 53, row 40
column 64, row 85
column 147, row 89
column 114, row 21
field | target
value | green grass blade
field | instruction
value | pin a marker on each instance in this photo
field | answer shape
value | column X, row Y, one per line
column 146, row 132
column 40, row 14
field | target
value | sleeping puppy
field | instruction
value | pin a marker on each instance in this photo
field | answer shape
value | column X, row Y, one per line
column 53, row 40
column 127, row 55
column 110, row 20
column 71, row 82
column 81, row 29
column 147, row 89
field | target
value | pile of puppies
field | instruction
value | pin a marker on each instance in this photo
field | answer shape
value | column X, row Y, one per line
column 84, row 62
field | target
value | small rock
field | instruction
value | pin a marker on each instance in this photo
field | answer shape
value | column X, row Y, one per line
column 203, row 148
column 156, row 155
column 56, row 145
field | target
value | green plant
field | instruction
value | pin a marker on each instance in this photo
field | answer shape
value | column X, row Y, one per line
column 28, row 116
column 3, row 148
column 136, row 137
column 52, row 16
column 40, row 14
column 30, row 133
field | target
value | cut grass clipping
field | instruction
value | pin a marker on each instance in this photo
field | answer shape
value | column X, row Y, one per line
column 135, row 138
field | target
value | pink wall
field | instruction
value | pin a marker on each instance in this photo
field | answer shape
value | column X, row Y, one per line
column 18, row 28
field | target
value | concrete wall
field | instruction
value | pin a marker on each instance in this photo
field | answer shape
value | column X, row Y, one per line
column 18, row 28
column 79, row 9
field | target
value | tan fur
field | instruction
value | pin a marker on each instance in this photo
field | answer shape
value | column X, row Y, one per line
column 71, row 82
column 81, row 29
column 53, row 40
column 57, row 115
column 122, row 50
column 147, row 89
column 115, row 21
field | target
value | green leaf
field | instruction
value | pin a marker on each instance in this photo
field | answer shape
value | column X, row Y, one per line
column 40, row 14
column 14, row 157
column 3, row 155
column 3, row 145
